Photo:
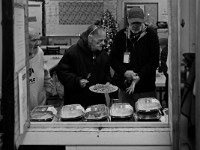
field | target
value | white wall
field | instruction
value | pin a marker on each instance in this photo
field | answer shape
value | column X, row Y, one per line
column 35, row 10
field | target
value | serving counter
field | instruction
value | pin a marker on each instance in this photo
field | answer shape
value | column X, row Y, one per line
column 95, row 135
column 100, row 135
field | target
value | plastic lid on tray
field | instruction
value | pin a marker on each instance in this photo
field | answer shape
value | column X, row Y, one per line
column 121, row 110
column 71, row 111
column 147, row 105
column 96, row 112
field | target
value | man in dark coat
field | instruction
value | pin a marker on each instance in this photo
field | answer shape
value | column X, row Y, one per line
column 85, row 64
column 134, row 58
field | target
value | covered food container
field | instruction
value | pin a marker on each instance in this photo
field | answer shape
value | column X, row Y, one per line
column 43, row 113
column 73, row 112
column 147, row 105
column 97, row 113
column 121, row 112
column 42, row 116
column 148, row 109
column 45, row 108
column 149, row 116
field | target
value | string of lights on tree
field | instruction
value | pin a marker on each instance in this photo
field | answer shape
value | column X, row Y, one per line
column 107, row 20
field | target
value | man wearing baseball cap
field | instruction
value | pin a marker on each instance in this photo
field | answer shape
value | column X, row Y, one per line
column 134, row 58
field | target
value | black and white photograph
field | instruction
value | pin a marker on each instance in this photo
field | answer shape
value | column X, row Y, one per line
column 99, row 75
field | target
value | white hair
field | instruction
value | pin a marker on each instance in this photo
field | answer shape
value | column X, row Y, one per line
column 33, row 34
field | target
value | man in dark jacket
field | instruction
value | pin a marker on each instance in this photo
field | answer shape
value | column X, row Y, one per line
column 85, row 64
column 134, row 58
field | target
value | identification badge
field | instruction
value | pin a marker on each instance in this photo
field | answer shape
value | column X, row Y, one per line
column 127, row 57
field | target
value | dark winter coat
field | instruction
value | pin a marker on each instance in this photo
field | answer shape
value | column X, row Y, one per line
column 77, row 62
column 144, row 59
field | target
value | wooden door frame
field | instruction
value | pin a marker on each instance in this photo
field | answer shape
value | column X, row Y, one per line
column 197, row 102
column 174, row 71
column 8, row 95
column 43, row 16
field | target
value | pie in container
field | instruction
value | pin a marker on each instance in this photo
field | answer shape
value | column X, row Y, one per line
column 43, row 113
column 96, row 112
column 148, row 104
column 121, row 110
column 103, row 88
column 42, row 116
column 72, row 112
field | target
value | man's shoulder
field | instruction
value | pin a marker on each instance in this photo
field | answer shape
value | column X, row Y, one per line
column 151, row 29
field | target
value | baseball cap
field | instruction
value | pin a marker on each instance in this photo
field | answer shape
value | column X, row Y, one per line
column 135, row 14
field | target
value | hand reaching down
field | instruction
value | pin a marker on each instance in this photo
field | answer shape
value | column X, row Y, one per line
column 131, row 88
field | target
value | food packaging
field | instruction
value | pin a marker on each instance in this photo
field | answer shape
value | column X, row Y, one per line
column 43, row 113
column 121, row 112
column 40, row 116
column 148, row 109
column 73, row 112
column 147, row 105
column 148, row 116
column 97, row 113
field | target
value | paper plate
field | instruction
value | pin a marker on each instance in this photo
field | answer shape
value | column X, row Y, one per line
column 103, row 88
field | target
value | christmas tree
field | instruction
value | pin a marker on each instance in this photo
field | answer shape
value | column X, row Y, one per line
column 107, row 20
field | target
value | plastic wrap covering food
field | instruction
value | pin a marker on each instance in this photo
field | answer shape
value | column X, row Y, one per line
column 147, row 105
column 73, row 112
column 148, row 109
column 45, row 108
column 42, row 116
column 121, row 112
column 97, row 113
column 43, row 113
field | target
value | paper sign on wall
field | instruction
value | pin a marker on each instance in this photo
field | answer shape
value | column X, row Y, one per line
column 19, row 38
column 22, row 98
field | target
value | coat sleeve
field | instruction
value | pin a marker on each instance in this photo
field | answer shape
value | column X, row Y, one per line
column 153, row 61
column 107, row 71
column 66, row 74
column 116, row 55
